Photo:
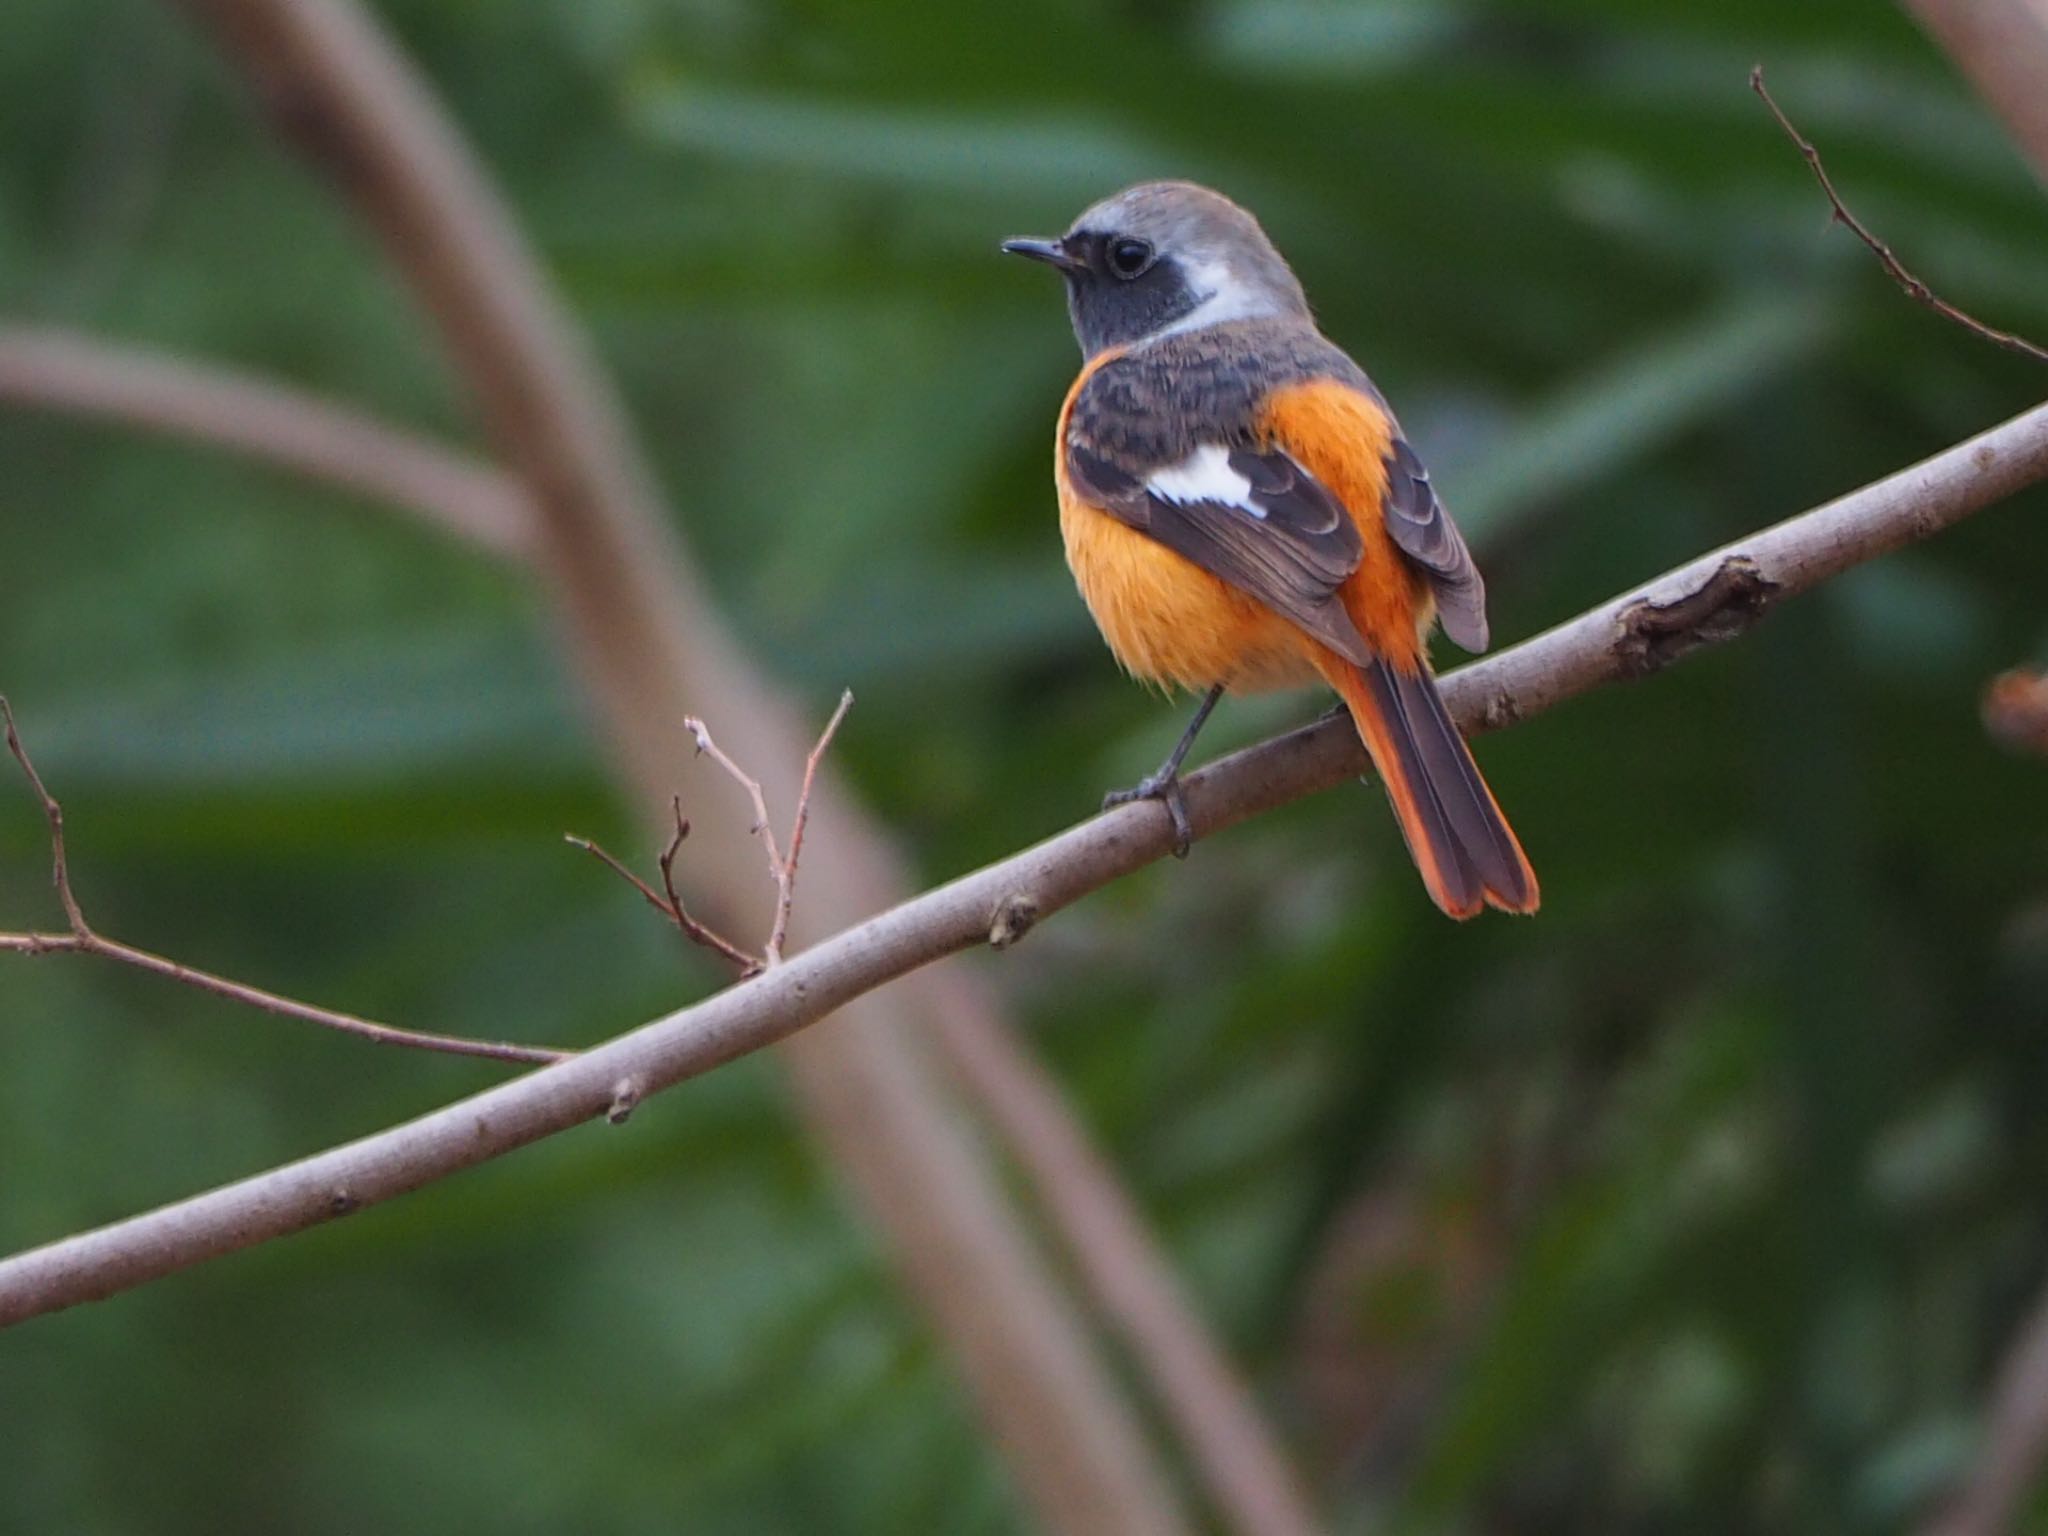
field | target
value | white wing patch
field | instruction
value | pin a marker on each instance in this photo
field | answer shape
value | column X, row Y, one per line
column 1205, row 475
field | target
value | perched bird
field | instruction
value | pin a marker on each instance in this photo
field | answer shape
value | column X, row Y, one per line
column 1241, row 512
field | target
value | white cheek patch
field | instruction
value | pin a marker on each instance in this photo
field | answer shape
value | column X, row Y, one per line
column 1227, row 298
column 1205, row 475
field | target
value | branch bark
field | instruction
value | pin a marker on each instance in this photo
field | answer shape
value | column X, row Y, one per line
column 650, row 653
column 1704, row 602
column 2002, row 46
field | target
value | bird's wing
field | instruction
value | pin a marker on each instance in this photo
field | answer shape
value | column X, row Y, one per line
column 1256, row 520
column 1423, row 531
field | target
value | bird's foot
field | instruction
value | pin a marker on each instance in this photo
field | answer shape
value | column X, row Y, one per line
column 1164, row 787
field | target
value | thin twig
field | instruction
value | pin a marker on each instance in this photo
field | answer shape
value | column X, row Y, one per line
column 1586, row 652
column 787, row 884
column 53, row 813
column 82, row 938
column 667, row 902
column 781, row 867
column 701, row 734
column 1911, row 285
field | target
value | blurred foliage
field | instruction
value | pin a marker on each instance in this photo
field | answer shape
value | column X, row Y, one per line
column 1705, row 1201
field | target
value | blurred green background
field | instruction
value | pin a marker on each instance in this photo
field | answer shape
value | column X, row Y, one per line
column 1706, row 1201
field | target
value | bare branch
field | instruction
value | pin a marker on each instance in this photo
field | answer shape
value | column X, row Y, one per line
column 324, row 441
column 1912, row 286
column 83, row 939
column 1600, row 646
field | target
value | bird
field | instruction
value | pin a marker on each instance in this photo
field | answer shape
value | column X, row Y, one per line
column 1242, row 512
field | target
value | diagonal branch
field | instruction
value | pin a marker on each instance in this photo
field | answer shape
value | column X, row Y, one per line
column 1628, row 637
column 81, row 938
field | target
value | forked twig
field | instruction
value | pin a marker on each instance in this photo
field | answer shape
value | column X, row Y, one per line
column 1911, row 285
column 781, row 865
column 666, row 901
column 80, row 937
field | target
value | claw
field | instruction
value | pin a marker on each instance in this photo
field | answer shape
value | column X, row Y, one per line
column 1165, row 788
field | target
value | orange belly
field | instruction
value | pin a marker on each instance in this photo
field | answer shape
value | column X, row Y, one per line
column 1169, row 621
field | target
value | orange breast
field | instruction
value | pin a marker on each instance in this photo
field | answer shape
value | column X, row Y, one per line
column 1168, row 621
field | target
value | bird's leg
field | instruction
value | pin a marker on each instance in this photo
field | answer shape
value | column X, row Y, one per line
column 1164, row 785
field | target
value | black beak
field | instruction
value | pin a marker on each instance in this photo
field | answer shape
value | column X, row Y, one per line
column 1053, row 253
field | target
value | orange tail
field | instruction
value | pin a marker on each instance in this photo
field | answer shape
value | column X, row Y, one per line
column 1468, row 854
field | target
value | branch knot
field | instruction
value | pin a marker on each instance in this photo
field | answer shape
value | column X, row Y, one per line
column 1651, row 635
column 1015, row 915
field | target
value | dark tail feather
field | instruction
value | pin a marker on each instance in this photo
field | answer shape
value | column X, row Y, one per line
column 1468, row 854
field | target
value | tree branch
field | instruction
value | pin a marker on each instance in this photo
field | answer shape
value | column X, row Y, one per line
column 322, row 440
column 1627, row 637
column 1911, row 286
column 81, row 938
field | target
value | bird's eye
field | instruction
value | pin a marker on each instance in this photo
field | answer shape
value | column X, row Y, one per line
column 1129, row 258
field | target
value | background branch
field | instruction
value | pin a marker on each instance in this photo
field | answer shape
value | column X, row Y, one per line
column 2002, row 46
column 1705, row 602
column 44, row 369
column 650, row 652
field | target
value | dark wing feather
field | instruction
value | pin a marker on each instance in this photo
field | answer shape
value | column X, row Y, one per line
column 1424, row 532
column 1292, row 556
